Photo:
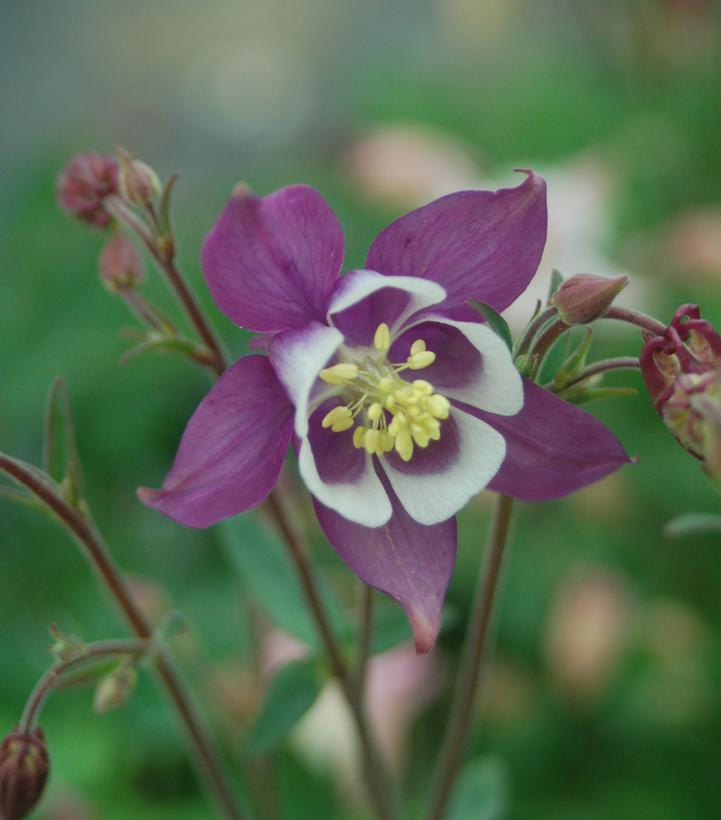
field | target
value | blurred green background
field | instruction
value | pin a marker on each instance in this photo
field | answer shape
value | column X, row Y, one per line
column 603, row 700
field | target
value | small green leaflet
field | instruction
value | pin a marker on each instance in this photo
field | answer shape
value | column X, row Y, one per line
column 496, row 322
column 692, row 524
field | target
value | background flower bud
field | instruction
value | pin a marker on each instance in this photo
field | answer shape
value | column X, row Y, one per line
column 114, row 689
column 137, row 181
column 121, row 265
column 83, row 185
column 24, row 768
column 584, row 298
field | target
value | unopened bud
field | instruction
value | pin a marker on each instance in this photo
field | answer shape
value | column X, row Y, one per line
column 585, row 297
column 121, row 265
column 137, row 181
column 84, row 184
column 24, row 768
column 67, row 647
column 114, row 689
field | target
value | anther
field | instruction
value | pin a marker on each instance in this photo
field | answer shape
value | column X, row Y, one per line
column 418, row 346
column 372, row 441
column 339, row 373
column 420, row 359
column 382, row 338
column 336, row 415
column 375, row 411
column 359, row 435
column 404, row 445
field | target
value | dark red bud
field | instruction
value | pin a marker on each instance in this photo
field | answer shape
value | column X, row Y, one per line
column 83, row 185
column 121, row 265
column 584, row 298
column 24, row 769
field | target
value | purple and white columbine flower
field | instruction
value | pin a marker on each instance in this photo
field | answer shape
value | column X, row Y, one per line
column 402, row 403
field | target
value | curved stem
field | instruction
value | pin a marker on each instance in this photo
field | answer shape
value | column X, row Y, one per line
column 472, row 662
column 204, row 752
column 47, row 683
column 376, row 782
column 536, row 324
column 620, row 363
column 544, row 344
column 634, row 317
column 164, row 255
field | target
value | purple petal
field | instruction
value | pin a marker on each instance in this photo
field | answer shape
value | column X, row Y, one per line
column 232, row 449
column 363, row 299
column 271, row 262
column 404, row 559
column 553, row 448
column 483, row 245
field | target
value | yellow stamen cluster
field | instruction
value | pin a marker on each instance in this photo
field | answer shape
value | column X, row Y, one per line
column 396, row 414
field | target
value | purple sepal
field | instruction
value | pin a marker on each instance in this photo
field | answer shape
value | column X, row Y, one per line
column 408, row 561
column 553, row 448
column 232, row 449
column 482, row 245
column 271, row 262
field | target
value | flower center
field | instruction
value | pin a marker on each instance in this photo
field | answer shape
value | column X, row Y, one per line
column 393, row 413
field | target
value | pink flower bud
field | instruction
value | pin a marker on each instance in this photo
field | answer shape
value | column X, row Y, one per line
column 682, row 372
column 83, row 185
column 24, row 768
column 138, row 182
column 584, row 298
column 121, row 265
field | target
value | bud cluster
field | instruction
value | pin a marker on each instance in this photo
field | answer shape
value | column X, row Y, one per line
column 681, row 369
column 84, row 184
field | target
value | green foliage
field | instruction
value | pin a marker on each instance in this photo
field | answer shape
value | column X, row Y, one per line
column 495, row 321
column 482, row 791
column 291, row 693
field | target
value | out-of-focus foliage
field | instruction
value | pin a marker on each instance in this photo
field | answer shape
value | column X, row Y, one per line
column 603, row 698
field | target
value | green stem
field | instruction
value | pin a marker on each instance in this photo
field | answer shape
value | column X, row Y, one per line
column 205, row 754
column 473, row 659
column 365, row 636
column 49, row 680
column 544, row 344
column 634, row 317
column 533, row 328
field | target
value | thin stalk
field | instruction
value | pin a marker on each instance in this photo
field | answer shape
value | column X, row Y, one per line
column 49, row 680
column 165, row 258
column 365, row 636
column 204, row 753
column 620, row 363
column 544, row 344
column 376, row 782
column 473, row 660
column 634, row 317
column 536, row 324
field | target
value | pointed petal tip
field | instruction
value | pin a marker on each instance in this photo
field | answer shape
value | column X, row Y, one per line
column 425, row 632
column 241, row 190
column 147, row 495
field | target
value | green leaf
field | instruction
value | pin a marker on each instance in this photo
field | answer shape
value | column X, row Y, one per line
column 496, row 322
column 482, row 792
column 165, row 225
column 556, row 281
column 581, row 394
column 270, row 577
column 60, row 454
column 574, row 364
column 554, row 358
column 692, row 524
column 291, row 693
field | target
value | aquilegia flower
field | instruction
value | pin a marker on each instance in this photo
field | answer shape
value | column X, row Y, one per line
column 401, row 402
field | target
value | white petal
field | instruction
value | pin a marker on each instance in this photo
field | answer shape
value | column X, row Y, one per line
column 363, row 501
column 431, row 498
column 359, row 284
column 499, row 387
column 297, row 357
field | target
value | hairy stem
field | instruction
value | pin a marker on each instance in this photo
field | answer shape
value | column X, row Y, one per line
column 376, row 782
column 544, row 344
column 206, row 757
column 634, row 317
column 532, row 330
column 49, row 680
column 472, row 664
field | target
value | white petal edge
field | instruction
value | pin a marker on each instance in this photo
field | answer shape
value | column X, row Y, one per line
column 430, row 498
column 365, row 501
column 359, row 284
column 499, row 388
column 297, row 357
